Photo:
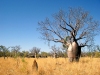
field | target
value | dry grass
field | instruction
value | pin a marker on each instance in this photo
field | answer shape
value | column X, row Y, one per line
column 49, row 66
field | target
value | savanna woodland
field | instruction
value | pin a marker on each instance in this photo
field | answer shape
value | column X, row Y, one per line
column 75, row 29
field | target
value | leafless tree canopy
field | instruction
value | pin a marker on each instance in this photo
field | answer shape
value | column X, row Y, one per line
column 35, row 50
column 76, row 24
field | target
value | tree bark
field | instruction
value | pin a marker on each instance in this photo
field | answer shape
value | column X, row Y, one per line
column 74, row 52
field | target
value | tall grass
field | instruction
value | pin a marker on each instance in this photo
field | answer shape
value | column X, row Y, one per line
column 49, row 66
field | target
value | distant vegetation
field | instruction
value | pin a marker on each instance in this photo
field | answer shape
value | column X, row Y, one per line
column 35, row 52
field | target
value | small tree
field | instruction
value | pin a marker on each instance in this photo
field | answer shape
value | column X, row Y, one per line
column 15, row 50
column 97, row 51
column 98, row 48
column 4, row 50
column 35, row 51
column 54, row 49
column 24, row 53
column 44, row 54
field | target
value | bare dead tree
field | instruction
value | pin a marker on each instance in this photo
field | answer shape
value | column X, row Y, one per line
column 54, row 49
column 16, row 49
column 35, row 51
column 70, row 28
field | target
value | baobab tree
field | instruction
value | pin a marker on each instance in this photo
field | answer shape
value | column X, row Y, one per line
column 74, row 29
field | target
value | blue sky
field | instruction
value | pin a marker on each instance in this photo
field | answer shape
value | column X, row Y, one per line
column 19, row 19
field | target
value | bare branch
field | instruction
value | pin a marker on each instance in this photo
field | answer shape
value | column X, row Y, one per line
column 65, row 28
column 76, row 23
column 68, row 24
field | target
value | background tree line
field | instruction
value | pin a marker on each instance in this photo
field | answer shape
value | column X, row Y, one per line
column 36, row 52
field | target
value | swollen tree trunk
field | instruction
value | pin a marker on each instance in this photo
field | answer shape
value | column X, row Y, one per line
column 74, row 51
